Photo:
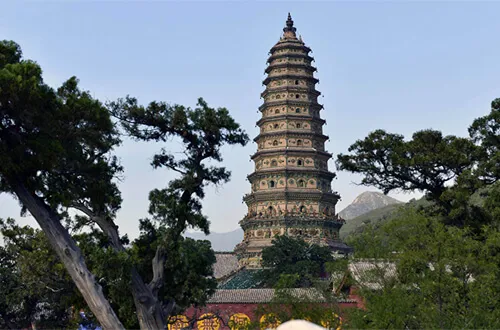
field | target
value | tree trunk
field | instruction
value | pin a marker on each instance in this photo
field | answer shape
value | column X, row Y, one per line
column 70, row 255
column 149, row 309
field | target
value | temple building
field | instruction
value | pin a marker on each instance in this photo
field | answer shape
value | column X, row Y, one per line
column 291, row 190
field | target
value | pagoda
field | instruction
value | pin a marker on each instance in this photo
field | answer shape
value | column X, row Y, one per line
column 291, row 186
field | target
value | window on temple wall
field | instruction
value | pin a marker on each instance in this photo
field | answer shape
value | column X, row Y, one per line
column 274, row 163
column 296, row 82
column 298, row 125
column 302, row 209
column 276, row 126
column 272, row 184
column 275, row 142
column 301, row 183
column 297, row 96
column 277, row 111
column 299, row 142
column 297, row 110
column 300, row 162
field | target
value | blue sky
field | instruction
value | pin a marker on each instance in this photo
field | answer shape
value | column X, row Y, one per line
column 400, row 66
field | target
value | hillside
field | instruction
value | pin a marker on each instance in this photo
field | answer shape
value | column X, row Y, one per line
column 366, row 202
column 373, row 216
column 382, row 214
column 220, row 241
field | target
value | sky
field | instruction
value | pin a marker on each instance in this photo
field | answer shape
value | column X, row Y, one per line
column 400, row 66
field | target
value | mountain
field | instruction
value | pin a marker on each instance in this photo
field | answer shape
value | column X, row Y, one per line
column 379, row 215
column 220, row 241
column 366, row 202
column 355, row 225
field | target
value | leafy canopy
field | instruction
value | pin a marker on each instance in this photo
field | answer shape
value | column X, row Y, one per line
column 445, row 276
column 292, row 262
column 446, row 253
column 56, row 155
column 448, row 169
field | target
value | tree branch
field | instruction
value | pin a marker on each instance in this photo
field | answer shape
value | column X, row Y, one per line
column 158, row 264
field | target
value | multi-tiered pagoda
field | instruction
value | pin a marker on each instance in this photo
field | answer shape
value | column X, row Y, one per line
column 291, row 185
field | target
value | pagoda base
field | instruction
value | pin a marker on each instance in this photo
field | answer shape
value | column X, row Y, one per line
column 249, row 252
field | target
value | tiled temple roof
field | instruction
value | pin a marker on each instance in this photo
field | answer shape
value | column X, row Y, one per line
column 242, row 279
column 258, row 296
column 372, row 273
column 225, row 265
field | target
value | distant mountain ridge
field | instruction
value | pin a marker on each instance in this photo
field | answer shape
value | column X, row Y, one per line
column 366, row 202
column 220, row 241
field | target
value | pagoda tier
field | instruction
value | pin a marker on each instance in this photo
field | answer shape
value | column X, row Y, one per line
column 291, row 186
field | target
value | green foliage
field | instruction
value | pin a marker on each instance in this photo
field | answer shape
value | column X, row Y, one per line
column 37, row 281
column 446, row 252
column 485, row 132
column 449, row 169
column 426, row 162
column 372, row 217
column 55, row 151
column 203, row 131
column 188, row 268
column 36, row 288
column 54, row 142
column 445, row 277
column 293, row 261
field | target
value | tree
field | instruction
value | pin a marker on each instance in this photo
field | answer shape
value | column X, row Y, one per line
column 448, row 169
column 36, row 289
column 203, row 131
column 444, row 277
column 189, row 274
column 55, row 151
column 446, row 254
column 294, row 262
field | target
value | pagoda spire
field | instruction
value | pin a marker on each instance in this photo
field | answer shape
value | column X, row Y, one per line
column 289, row 30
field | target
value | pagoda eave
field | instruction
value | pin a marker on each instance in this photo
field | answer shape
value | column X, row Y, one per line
column 289, row 45
column 290, row 65
column 290, row 171
column 277, row 56
column 290, row 221
column 292, row 88
column 290, row 76
column 291, row 152
column 290, row 116
column 296, row 194
column 292, row 133
column 291, row 102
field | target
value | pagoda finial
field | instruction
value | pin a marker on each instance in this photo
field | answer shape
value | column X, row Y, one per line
column 289, row 25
